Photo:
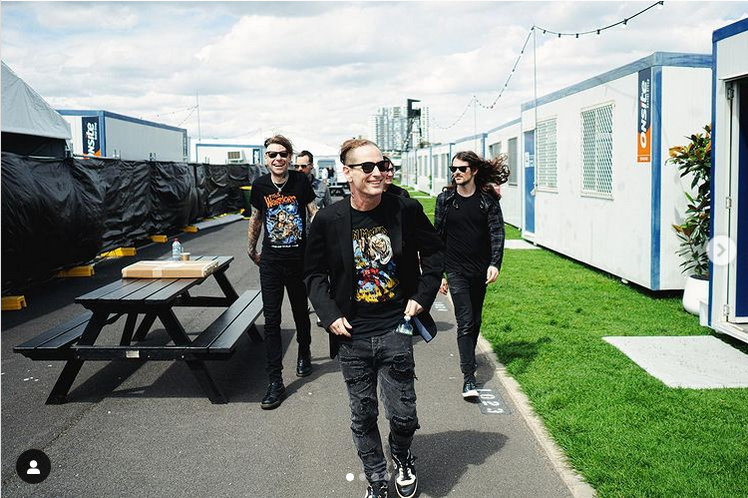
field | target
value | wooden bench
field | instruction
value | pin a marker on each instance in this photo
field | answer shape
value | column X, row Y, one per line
column 54, row 344
column 217, row 342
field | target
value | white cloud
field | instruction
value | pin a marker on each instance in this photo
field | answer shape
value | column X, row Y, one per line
column 320, row 69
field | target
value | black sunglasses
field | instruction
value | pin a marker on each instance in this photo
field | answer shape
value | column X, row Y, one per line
column 272, row 154
column 368, row 167
column 461, row 169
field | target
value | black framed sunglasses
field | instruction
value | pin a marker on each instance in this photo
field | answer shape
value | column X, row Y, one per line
column 461, row 169
column 283, row 154
column 368, row 167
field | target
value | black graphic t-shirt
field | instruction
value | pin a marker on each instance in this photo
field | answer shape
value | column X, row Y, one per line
column 377, row 291
column 283, row 213
column 468, row 243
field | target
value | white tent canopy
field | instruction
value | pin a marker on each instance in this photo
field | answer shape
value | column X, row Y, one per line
column 25, row 112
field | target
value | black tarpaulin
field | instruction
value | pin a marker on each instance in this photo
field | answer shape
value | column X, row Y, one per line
column 52, row 216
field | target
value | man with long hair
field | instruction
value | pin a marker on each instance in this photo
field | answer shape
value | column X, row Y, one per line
column 363, row 275
column 468, row 218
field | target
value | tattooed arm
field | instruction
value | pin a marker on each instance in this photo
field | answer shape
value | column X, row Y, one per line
column 311, row 209
column 253, row 233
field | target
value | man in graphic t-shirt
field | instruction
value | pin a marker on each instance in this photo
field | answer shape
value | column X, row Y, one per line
column 363, row 276
column 282, row 199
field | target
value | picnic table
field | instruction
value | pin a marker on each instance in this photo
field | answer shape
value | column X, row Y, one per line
column 146, row 299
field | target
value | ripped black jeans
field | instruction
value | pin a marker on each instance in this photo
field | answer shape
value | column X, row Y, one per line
column 386, row 360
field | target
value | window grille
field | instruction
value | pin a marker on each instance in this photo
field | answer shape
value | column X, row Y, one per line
column 546, row 153
column 513, row 160
column 597, row 150
column 494, row 150
column 234, row 154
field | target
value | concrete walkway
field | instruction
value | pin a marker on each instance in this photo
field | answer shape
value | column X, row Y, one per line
column 134, row 429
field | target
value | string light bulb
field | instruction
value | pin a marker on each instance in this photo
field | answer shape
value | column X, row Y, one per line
column 659, row 5
column 625, row 24
column 598, row 32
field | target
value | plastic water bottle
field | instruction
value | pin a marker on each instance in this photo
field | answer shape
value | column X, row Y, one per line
column 405, row 327
column 176, row 250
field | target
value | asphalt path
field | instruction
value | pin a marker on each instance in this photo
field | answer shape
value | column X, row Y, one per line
column 147, row 428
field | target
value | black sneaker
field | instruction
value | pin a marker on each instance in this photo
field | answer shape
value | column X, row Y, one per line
column 469, row 389
column 377, row 489
column 304, row 365
column 406, row 480
column 274, row 396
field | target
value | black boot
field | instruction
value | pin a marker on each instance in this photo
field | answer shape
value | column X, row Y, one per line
column 304, row 365
column 274, row 396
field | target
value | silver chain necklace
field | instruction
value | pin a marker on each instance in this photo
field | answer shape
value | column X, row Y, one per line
column 281, row 185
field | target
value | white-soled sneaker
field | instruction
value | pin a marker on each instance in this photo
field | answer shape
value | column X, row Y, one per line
column 406, row 480
column 469, row 389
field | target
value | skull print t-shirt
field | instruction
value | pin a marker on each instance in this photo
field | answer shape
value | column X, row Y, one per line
column 377, row 292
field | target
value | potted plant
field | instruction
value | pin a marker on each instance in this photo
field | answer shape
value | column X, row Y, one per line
column 695, row 159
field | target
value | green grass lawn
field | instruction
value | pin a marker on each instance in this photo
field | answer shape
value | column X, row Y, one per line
column 624, row 431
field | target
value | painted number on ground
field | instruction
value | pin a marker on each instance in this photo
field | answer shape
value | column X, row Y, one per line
column 491, row 403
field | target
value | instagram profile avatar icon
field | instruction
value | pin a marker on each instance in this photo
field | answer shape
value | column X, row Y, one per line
column 32, row 469
column 33, row 466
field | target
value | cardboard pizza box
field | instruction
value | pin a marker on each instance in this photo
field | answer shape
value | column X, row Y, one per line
column 169, row 269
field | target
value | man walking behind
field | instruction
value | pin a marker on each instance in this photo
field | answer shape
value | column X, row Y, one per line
column 305, row 164
column 469, row 220
column 281, row 199
column 363, row 277
column 391, row 187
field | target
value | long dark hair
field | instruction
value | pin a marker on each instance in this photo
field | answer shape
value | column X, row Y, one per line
column 489, row 173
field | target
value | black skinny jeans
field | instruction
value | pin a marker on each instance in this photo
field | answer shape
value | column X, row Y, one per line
column 386, row 360
column 274, row 276
column 468, row 294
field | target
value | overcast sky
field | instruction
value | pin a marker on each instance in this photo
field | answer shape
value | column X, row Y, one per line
column 320, row 69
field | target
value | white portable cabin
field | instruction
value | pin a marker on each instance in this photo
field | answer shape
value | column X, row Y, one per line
column 599, row 189
column 107, row 134
column 217, row 151
column 440, row 155
column 506, row 139
column 728, row 284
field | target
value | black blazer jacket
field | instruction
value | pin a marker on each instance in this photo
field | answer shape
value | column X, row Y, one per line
column 328, row 261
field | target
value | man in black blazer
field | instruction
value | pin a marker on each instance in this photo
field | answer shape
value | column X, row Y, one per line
column 372, row 261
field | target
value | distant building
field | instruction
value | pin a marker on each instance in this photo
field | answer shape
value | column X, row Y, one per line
column 389, row 128
column 106, row 134
column 228, row 151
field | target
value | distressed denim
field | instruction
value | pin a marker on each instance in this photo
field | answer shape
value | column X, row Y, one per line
column 386, row 360
column 274, row 276
column 468, row 294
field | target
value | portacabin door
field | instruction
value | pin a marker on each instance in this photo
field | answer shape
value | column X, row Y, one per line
column 738, row 280
column 529, row 167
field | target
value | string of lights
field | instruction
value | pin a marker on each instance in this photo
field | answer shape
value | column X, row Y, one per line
column 597, row 31
column 169, row 113
column 188, row 116
column 511, row 73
